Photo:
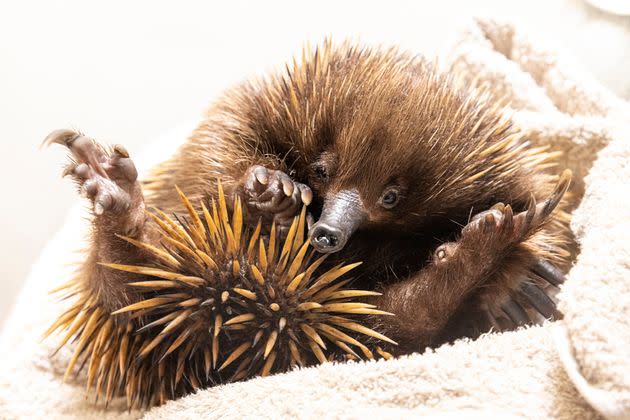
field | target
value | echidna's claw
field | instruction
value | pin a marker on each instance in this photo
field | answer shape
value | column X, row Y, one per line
column 120, row 151
column 515, row 312
column 64, row 137
column 538, row 213
column 508, row 217
column 306, row 194
column 540, row 301
column 492, row 320
column 261, row 174
column 549, row 272
column 530, row 213
column 84, row 149
column 69, row 170
column 561, row 188
column 505, row 323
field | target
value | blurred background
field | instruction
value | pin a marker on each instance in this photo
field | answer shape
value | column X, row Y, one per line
column 127, row 71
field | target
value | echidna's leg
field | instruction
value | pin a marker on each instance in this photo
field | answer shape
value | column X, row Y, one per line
column 425, row 303
column 527, row 277
column 272, row 195
column 109, row 180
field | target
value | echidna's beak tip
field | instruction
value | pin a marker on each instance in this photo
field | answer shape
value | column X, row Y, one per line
column 326, row 239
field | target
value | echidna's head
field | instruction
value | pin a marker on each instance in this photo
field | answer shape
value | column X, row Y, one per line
column 406, row 156
column 385, row 140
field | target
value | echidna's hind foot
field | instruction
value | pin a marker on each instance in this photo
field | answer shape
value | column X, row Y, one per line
column 518, row 292
column 108, row 178
column 498, row 242
column 273, row 196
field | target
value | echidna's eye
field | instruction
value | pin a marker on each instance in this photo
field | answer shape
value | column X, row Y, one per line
column 390, row 198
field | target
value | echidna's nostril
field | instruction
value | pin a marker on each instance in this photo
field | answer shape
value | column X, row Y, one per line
column 325, row 238
column 322, row 240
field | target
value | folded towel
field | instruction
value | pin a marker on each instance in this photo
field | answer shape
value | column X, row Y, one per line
column 575, row 368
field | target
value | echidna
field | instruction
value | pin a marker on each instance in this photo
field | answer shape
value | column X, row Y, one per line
column 417, row 174
column 222, row 302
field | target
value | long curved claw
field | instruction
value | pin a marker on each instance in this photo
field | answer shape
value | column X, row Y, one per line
column 540, row 301
column 536, row 213
column 549, row 272
column 544, row 209
column 531, row 212
column 561, row 188
column 84, row 149
column 64, row 137
column 515, row 312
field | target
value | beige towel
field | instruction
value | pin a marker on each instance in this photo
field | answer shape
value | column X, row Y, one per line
column 574, row 368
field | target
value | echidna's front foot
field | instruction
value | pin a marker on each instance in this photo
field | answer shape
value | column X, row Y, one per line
column 273, row 196
column 108, row 178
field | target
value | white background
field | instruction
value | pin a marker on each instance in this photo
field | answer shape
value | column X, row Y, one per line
column 126, row 71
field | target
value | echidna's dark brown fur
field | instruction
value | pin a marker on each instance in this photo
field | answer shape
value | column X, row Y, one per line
column 356, row 119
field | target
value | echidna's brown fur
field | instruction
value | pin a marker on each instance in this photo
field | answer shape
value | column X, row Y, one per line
column 364, row 119
column 217, row 304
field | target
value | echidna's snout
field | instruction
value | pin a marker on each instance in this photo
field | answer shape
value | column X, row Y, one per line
column 342, row 214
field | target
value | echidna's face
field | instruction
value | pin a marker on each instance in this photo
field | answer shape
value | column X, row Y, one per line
column 374, row 194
